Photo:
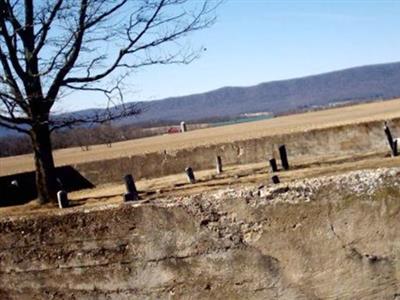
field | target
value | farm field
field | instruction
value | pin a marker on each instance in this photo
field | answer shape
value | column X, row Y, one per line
column 286, row 124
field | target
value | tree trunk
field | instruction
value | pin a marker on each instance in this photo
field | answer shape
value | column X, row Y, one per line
column 46, row 183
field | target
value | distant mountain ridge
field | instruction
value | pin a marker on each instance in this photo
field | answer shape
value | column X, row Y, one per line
column 358, row 84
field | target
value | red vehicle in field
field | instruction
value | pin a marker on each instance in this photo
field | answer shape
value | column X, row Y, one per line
column 173, row 130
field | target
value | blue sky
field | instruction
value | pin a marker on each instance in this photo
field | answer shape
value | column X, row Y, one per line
column 256, row 41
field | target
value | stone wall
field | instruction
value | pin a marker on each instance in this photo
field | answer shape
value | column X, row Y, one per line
column 346, row 140
column 341, row 140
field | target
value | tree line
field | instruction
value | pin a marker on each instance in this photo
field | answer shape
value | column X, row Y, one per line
column 86, row 137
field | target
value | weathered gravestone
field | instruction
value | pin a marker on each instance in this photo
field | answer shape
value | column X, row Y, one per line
column 131, row 191
column 190, row 175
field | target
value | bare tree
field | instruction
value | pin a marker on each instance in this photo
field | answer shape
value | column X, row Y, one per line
column 49, row 48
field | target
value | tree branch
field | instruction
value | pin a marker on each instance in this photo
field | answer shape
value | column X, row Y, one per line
column 44, row 30
column 13, row 127
column 10, row 80
column 55, row 87
column 122, row 52
column 12, row 51
column 104, row 116
column 50, row 47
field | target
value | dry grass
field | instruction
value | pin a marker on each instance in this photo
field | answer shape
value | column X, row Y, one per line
column 294, row 123
column 239, row 175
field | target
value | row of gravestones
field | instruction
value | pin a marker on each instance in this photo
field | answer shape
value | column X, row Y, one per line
column 133, row 195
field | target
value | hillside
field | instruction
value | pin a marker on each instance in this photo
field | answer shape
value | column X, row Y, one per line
column 356, row 84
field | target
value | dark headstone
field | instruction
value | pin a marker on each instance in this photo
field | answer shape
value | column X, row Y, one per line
column 388, row 135
column 190, row 175
column 273, row 165
column 275, row 179
column 392, row 142
column 62, row 198
column 131, row 191
column 129, row 197
column 283, row 155
column 218, row 162
column 395, row 150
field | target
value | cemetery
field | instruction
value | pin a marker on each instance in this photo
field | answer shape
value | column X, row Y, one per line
column 291, row 215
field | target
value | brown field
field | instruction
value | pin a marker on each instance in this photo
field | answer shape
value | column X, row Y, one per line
column 286, row 124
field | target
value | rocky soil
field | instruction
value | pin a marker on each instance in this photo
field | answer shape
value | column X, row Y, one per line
column 332, row 237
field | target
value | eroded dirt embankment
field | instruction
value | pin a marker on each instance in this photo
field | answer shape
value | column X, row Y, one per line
column 325, row 238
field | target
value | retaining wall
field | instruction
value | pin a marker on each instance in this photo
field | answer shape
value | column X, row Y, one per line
column 340, row 140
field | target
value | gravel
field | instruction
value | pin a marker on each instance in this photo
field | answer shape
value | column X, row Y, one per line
column 358, row 183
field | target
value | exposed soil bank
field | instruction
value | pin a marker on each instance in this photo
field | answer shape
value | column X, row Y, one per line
column 325, row 238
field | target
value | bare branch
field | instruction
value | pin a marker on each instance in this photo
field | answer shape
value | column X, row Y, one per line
column 123, row 52
column 98, row 117
column 10, row 80
column 46, row 26
column 13, row 126
column 104, row 15
column 12, row 50
column 55, row 87
column 50, row 48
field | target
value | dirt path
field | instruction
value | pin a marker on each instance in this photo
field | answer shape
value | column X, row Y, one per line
column 294, row 123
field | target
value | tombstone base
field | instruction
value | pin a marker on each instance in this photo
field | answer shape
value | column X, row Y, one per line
column 62, row 198
column 128, row 197
column 275, row 179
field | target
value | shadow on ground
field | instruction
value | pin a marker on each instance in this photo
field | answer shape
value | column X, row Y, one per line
column 20, row 188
